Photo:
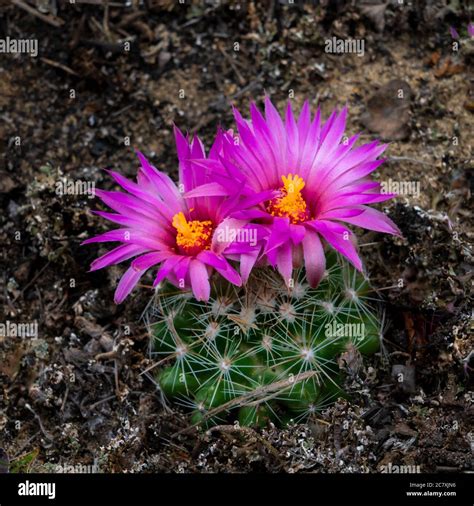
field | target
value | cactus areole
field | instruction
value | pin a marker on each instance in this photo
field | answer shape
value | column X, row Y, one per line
column 264, row 352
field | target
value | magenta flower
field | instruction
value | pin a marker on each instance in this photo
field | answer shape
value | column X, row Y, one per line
column 318, row 183
column 160, row 226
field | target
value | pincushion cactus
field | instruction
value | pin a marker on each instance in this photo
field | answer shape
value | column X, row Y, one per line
column 259, row 286
column 264, row 352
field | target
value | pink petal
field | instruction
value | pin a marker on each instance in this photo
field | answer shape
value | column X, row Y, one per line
column 222, row 234
column 339, row 238
column 144, row 225
column 210, row 258
column 309, row 149
column 354, row 199
column 304, row 120
column 247, row 262
column 119, row 234
column 117, row 255
column 340, row 213
column 285, row 262
column 207, row 190
column 297, row 233
column 268, row 150
column 279, row 234
column 142, row 192
column 146, row 261
column 372, row 219
column 292, row 132
column 334, row 135
column 181, row 271
column 314, row 259
column 127, row 284
column 134, row 207
column 167, row 266
column 197, row 148
column 199, row 280
column 182, row 145
column 163, row 183
column 230, row 274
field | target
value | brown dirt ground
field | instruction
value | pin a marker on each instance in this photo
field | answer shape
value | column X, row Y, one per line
column 75, row 394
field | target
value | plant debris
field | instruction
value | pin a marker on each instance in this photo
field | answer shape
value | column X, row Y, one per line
column 108, row 80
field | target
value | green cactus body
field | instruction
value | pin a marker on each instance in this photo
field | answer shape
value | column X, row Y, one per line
column 265, row 352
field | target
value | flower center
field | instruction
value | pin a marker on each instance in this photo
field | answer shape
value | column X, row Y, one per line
column 291, row 204
column 193, row 236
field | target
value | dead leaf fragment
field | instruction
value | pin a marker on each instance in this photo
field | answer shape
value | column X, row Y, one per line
column 11, row 363
column 388, row 111
column 404, row 430
column 447, row 68
column 434, row 58
column 351, row 359
column 375, row 11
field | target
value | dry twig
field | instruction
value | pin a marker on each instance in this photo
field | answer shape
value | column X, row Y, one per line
column 48, row 18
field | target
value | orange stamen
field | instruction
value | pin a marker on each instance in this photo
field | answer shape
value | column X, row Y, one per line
column 291, row 204
column 193, row 236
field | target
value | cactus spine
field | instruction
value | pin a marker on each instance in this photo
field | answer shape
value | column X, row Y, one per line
column 265, row 352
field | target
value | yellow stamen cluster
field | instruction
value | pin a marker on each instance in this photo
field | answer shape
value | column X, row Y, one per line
column 291, row 204
column 193, row 236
